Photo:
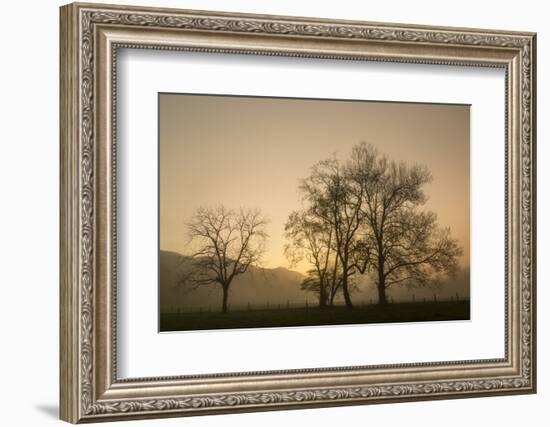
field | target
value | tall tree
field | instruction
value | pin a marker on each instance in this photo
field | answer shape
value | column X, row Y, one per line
column 311, row 240
column 228, row 243
column 406, row 244
column 335, row 201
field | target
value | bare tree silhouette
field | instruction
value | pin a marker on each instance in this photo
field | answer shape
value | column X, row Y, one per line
column 406, row 245
column 228, row 242
column 334, row 202
column 365, row 215
column 312, row 240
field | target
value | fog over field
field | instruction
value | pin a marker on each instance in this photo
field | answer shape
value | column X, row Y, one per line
column 268, row 287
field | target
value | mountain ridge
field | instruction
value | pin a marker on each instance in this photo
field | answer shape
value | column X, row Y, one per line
column 258, row 286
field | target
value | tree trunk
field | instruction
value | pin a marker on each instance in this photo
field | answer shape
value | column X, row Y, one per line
column 224, row 300
column 334, row 278
column 382, row 300
column 322, row 292
column 345, row 277
column 345, row 291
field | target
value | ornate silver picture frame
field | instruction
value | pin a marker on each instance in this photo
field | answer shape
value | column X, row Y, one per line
column 91, row 37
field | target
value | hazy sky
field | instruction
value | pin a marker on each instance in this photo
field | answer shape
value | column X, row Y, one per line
column 251, row 152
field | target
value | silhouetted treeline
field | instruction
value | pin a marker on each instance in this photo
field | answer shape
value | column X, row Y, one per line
column 364, row 215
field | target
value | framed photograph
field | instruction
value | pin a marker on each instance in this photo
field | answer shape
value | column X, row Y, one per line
column 265, row 212
column 342, row 236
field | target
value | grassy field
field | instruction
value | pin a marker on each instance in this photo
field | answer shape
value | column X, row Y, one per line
column 401, row 312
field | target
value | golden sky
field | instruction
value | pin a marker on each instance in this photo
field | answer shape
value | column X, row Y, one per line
column 251, row 152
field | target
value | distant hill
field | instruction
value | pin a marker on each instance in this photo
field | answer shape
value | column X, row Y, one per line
column 258, row 286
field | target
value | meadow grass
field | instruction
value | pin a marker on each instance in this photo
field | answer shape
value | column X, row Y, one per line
column 313, row 316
